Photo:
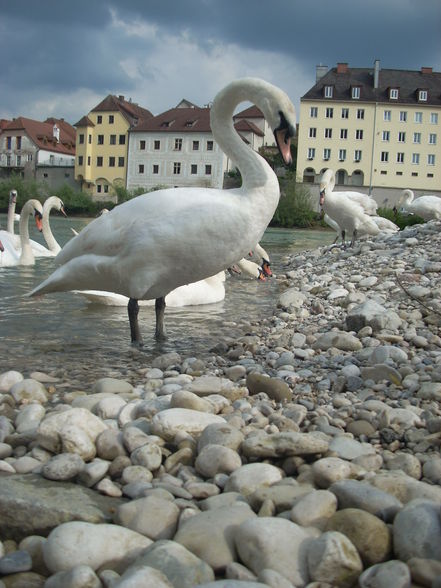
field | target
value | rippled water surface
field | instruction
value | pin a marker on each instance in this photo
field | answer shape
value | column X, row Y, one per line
column 64, row 334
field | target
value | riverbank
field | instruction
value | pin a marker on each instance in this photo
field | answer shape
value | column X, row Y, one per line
column 304, row 452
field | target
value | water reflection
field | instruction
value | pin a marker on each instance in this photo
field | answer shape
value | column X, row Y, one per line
column 64, row 334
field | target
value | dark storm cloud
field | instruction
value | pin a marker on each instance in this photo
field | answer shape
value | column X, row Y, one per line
column 77, row 49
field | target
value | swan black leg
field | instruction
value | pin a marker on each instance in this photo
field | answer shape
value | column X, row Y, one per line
column 354, row 235
column 343, row 241
column 133, row 309
column 160, row 309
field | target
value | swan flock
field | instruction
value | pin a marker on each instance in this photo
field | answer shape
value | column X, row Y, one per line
column 148, row 246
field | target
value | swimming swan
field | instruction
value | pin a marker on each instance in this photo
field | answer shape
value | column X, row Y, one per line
column 427, row 207
column 348, row 213
column 10, row 257
column 148, row 246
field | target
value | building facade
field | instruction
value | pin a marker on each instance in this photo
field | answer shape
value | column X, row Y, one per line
column 102, row 145
column 42, row 151
column 378, row 129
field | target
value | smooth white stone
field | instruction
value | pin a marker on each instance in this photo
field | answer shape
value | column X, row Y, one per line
column 169, row 422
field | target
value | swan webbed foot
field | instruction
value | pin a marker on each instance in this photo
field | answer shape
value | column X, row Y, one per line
column 135, row 333
column 160, row 310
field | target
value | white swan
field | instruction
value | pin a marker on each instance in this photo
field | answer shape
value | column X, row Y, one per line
column 49, row 204
column 384, row 224
column 367, row 202
column 11, row 211
column 428, row 207
column 10, row 257
column 156, row 242
column 348, row 213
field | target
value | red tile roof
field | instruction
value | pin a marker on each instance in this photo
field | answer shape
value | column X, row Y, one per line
column 181, row 120
column 41, row 134
column 130, row 110
column 251, row 112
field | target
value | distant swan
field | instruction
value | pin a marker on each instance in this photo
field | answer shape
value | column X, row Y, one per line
column 154, row 243
column 428, row 207
column 9, row 256
column 349, row 213
column 49, row 204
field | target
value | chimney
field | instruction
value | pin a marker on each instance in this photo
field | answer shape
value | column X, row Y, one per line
column 342, row 68
column 320, row 71
column 426, row 70
column 56, row 133
column 376, row 73
column 120, row 97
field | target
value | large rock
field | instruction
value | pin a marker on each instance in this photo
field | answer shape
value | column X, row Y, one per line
column 275, row 388
column 374, row 315
column 417, row 530
column 284, row 444
column 169, row 422
column 32, row 505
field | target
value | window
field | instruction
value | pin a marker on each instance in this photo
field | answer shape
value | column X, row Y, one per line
column 401, row 137
column 98, row 188
column 385, row 136
column 106, row 188
column 328, row 133
column 431, row 159
column 384, row 157
column 328, row 91
column 357, row 155
column 112, row 139
column 120, row 161
column 99, row 161
column 418, row 117
column 400, row 157
column 313, row 112
column 359, row 134
column 311, row 153
column 194, row 169
column 30, row 157
column 326, row 154
column 100, row 139
column 422, row 95
column 80, row 160
column 343, row 133
column 356, row 92
column 312, row 132
column 208, row 170
column 157, row 145
column 111, row 119
column 122, row 140
column 89, row 138
column 403, row 116
column 417, row 137
column 360, row 113
column 141, row 168
column 142, row 145
column 209, row 145
column 432, row 139
column 81, row 139
column 329, row 113
column 342, row 154
column 155, row 168
column 195, row 145
column 111, row 162
column 18, row 142
column 178, row 144
column 8, row 142
column 88, row 160
column 176, row 168
column 415, row 158
column 345, row 112
column 99, row 119
column 19, row 160
column 393, row 93
column 387, row 115
column 433, row 118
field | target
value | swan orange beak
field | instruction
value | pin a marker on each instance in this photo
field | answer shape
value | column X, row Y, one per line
column 63, row 212
column 283, row 140
column 38, row 221
column 261, row 277
column 266, row 268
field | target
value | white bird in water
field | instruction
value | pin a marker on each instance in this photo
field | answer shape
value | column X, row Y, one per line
column 156, row 242
column 428, row 207
column 9, row 255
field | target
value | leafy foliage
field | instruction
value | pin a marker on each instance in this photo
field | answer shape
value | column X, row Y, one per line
column 399, row 218
column 295, row 206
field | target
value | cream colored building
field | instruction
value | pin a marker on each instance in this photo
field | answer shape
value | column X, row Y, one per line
column 378, row 129
column 102, row 145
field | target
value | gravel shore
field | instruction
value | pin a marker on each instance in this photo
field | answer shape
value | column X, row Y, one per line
column 305, row 453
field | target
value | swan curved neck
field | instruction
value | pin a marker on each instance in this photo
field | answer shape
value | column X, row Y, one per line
column 254, row 170
column 11, row 213
column 51, row 242
column 26, row 250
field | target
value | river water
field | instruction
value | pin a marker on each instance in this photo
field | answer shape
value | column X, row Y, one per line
column 66, row 336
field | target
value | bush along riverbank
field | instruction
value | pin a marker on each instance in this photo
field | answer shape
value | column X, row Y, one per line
column 303, row 453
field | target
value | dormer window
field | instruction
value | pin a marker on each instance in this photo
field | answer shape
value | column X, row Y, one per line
column 328, row 91
column 422, row 95
column 355, row 92
column 393, row 93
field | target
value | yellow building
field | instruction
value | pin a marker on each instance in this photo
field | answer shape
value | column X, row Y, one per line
column 102, row 145
column 378, row 129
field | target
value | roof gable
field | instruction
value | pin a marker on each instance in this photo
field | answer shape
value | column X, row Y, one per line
column 131, row 111
column 180, row 119
column 42, row 134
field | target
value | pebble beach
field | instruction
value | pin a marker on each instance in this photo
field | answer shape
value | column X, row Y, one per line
column 304, row 453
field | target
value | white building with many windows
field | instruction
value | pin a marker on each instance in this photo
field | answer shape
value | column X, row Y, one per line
column 379, row 129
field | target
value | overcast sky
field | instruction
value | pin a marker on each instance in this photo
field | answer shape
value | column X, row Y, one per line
column 62, row 57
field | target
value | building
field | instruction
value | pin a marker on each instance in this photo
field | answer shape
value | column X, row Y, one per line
column 102, row 145
column 378, row 129
column 42, row 151
column 177, row 148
